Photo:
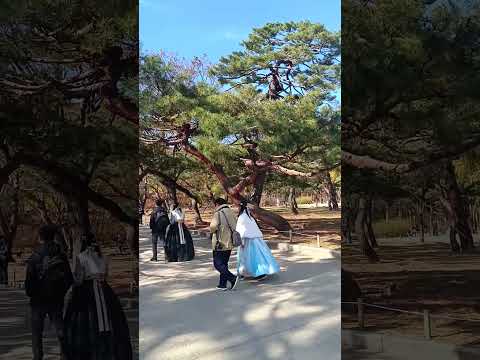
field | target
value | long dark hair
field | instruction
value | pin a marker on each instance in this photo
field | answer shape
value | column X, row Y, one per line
column 90, row 241
column 176, row 206
column 244, row 208
column 51, row 238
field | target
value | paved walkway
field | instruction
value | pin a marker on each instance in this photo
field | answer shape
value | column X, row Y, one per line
column 295, row 315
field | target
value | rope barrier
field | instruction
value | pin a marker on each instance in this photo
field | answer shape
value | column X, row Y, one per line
column 410, row 312
column 297, row 233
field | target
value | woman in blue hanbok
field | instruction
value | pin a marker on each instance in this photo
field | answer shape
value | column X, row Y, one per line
column 254, row 256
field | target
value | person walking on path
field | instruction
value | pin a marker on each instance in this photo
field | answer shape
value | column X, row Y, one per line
column 158, row 224
column 179, row 243
column 96, row 327
column 254, row 256
column 222, row 225
column 47, row 281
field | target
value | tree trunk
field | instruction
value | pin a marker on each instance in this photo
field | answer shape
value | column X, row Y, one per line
column 132, row 241
column 292, row 201
column 474, row 217
column 69, row 240
column 332, row 193
column 258, row 188
column 346, row 224
column 430, row 214
column 68, row 231
column 421, row 218
column 459, row 211
column 172, row 193
column 9, row 224
column 143, row 201
column 435, row 230
column 198, row 216
column 368, row 223
column 453, row 241
column 361, row 232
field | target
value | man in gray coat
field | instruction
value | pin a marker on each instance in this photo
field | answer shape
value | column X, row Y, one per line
column 223, row 223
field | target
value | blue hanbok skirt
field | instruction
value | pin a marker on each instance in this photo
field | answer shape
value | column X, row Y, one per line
column 256, row 259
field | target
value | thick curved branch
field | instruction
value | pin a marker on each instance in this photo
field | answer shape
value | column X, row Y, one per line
column 167, row 180
column 367, row 162
column 69, row 184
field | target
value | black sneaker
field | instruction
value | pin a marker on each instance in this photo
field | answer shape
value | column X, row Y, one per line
column 235, row 283
column 221, row 288
column 153, row 259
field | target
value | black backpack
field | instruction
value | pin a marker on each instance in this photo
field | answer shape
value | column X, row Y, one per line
column 159, row 220
column 54, row 276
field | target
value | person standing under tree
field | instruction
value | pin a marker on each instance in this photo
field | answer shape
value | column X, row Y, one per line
column 47, row 281
column 179, row 243
column 158, row 224
column 96, row 327
column 223, row 221
column 3, row 262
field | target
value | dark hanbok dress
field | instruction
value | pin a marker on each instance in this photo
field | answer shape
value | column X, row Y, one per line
column 95, row 325
column 178, row 243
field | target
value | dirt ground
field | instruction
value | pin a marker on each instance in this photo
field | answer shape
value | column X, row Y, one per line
column 421, row 276
column 306, row 225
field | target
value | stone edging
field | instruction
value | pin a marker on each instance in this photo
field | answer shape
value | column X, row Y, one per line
column 302, row 248
column 405, row 347
column 282, row 245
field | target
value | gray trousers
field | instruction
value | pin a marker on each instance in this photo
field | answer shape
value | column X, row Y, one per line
column 39, row 313
column 157, row 239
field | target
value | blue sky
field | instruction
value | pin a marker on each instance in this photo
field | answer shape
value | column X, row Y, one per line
column 215, row 28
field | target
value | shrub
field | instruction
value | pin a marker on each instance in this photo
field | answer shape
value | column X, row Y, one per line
column 395, row 227
column 304, row 199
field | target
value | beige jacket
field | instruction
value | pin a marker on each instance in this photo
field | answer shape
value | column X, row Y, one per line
column 219, row 229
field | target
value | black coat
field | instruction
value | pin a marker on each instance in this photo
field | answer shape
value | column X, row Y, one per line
column 34, row 285
column 159, row 221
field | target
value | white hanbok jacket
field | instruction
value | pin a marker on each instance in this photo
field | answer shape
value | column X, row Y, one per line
column 247, row 227
column 177, row 217
column 91, row 266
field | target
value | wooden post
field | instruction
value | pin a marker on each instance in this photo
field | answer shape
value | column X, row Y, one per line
column 318, row 239
column 427, row 328
column 360, row 313
column 290, row 235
